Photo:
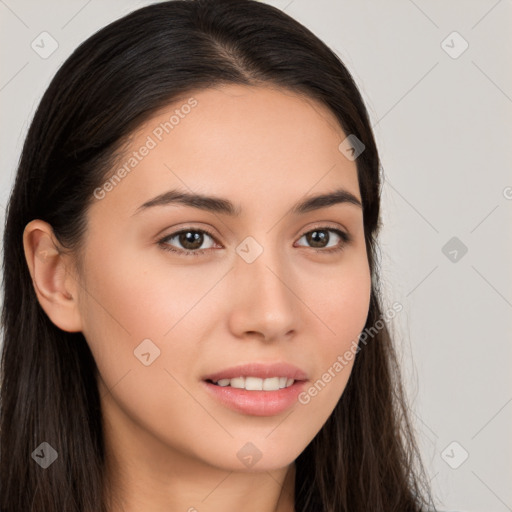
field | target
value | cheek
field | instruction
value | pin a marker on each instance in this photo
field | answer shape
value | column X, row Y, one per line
column 342, row 301
column 141, row 300
column 122, row 307
column 342, row 304
column 128, row 303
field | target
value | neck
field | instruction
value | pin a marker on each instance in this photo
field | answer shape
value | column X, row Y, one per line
column 203, row 489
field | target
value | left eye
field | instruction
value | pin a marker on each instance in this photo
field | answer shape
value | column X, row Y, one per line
column 320, row 235
column 191, row 240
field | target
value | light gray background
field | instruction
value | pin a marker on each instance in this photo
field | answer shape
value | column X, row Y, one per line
column 444, row 133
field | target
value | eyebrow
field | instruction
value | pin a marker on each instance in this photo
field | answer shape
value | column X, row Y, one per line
column 225, row 206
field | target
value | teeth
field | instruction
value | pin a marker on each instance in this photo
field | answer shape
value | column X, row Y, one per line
column 257, row 384
column 237, row 382
column 254, row 384
column 268, row 384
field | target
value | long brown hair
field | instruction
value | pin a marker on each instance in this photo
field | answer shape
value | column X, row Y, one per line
column 364, row 458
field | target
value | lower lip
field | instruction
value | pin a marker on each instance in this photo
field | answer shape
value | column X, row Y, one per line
column 257, row 403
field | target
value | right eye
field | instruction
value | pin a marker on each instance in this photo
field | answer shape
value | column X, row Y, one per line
column 190, row 239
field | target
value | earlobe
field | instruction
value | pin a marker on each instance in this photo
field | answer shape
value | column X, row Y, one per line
column 55, row 287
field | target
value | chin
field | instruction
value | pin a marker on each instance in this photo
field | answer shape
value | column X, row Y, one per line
column 255, row 456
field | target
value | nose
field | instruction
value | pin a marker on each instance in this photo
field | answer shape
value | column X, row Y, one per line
column 264, row 303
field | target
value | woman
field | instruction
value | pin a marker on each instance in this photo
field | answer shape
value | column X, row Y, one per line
column 256, row 375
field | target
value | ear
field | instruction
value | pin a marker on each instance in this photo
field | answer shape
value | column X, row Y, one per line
column 55, row 285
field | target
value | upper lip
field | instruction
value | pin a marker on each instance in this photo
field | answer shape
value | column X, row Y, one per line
column 261, row 370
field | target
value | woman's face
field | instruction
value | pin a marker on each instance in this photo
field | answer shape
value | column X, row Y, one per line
column 261, row 284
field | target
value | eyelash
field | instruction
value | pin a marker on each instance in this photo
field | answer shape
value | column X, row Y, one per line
column 345, row 239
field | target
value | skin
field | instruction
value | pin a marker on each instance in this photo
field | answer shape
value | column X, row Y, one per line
column 172, row 446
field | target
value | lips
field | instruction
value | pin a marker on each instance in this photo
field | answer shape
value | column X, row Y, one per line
column 252, row 399
column 259, row 370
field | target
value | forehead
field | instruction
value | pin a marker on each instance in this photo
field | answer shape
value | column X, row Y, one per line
column 249, row 143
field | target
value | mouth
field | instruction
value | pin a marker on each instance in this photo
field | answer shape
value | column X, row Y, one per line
column 255, row 383
column 257, row 389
